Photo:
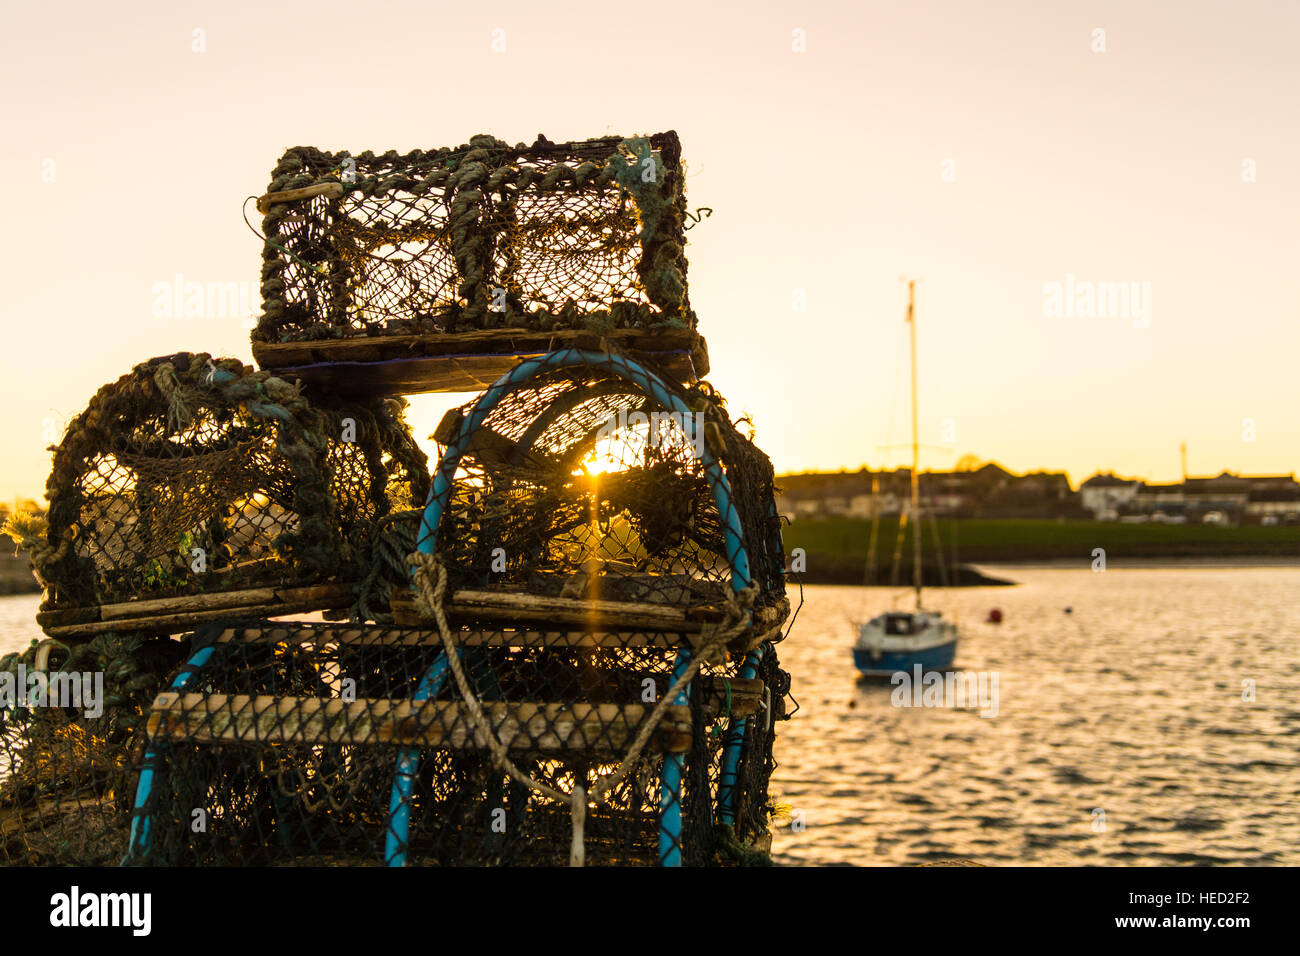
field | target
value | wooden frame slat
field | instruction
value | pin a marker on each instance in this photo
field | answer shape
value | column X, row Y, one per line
column 242, row 718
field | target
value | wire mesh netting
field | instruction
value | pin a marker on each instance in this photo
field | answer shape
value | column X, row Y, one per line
column 356, row 743
column 311, row 745
column 196, row 475
column 548, row 236
column 577, row 483
column 71, row 739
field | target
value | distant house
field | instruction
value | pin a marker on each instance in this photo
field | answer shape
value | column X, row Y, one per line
column 1273, row 507
column 1273, row 483
column 1106, row 496
column 799, row 507
column 1273, row 499
column 987, row 491
column 865, row 506
column 1043, row 484
column 1040, row 494
column 962, row 493
column 1221, row 499
column 1159, row 502
column 836, row 505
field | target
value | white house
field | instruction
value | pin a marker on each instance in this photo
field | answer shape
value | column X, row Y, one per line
column 1105, row 495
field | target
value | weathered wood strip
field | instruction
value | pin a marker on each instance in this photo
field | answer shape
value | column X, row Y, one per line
column 380, row 635
column 173, row 615
column 472, row 343
column 241, row 718
column 593, row 615
column 463, row 361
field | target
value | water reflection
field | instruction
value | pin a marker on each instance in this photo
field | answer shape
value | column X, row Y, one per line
column 1121, row 735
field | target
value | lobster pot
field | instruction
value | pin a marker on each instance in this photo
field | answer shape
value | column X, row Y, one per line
column 478, row 237
column 587, row 478
column 195, row 487
column 67, row 779
column 582, row 494
column 585, row 614
column 318, row 744
column 485, row 251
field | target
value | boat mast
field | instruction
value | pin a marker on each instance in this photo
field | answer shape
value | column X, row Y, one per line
column 916, row 453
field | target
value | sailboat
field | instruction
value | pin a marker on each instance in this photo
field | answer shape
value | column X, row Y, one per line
column 901, row 640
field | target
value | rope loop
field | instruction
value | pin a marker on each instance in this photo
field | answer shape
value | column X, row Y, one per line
column 430, row 578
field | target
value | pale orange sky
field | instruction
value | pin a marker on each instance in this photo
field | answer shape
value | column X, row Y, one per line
column 824, row 170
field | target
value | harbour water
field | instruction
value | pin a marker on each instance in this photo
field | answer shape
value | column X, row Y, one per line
column 1121, row 735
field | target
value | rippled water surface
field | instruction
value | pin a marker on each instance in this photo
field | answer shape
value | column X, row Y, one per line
column 1131, row 705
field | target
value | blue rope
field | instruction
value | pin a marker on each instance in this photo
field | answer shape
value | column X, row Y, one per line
column 141, row 841
column 399, row 804
column 670, row 790
column 733, row 742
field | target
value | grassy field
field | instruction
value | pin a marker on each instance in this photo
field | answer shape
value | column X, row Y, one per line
column 837, row 547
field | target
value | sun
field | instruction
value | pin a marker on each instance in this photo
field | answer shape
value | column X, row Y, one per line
column 598, row 464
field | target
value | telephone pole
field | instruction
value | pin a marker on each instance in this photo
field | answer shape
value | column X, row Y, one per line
column 916, row 453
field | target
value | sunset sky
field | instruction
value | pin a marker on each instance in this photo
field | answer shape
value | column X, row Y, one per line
column 986, row 152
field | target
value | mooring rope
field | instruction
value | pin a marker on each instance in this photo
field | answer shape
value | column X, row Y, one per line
column 430, row 578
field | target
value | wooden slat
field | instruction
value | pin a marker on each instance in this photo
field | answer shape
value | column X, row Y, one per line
column 476, row 342
column 332, row 190
column 592, row 615
column 381, row 635
column 766, row 618
column 209, row 718
column 173, row 615
column 746, row 695
column 188, row 602
column 463, row 361
column 415, row 376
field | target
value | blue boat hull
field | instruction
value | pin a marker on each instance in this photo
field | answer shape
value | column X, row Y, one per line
column 889, row 663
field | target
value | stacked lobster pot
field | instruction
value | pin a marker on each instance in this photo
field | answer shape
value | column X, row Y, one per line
column 192, row 489
column 559, row 647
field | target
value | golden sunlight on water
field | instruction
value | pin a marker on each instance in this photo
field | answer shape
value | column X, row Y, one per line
column 1130, row 706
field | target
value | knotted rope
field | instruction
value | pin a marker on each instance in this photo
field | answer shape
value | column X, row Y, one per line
column 430, row 578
